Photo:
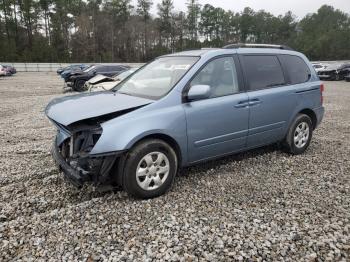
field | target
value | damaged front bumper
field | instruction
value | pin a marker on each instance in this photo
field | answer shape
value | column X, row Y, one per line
column 79, row 166
column 97, row 169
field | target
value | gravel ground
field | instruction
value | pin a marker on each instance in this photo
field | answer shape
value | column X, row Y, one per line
column 254, row 206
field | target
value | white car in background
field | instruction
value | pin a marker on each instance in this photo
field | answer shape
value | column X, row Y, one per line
column 319, row 66
column 101, row 82
column 3, row 71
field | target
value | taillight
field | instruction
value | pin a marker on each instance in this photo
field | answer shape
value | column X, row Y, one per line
column 322, row 90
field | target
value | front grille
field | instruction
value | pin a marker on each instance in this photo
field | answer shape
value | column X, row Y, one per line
column 65, row 149
column 80, row 143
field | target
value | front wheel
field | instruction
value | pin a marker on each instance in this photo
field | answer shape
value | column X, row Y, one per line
column 79, row 85
column 299, row 135
column 150, row 169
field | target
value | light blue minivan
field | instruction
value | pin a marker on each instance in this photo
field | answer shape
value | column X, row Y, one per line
column 185, row 108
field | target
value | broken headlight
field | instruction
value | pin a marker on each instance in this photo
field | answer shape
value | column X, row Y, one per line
column 83, row 141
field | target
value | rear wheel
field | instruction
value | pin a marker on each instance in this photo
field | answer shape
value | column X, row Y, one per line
column 150, row 169
column 299, row 135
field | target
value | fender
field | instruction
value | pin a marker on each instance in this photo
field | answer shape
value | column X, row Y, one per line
column 122, row 133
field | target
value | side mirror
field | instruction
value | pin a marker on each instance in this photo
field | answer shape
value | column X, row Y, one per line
column 198, row 92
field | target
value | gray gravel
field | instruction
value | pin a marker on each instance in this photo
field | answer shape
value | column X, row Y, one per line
column 254, row 206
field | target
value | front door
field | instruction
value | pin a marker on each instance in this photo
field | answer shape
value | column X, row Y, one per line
column 218, row 125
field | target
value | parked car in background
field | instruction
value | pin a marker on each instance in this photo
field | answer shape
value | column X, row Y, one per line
column 70, row 72
column 319, row 66
column 346, row 71
column 77, row 80
column 101, row 82
column 347, row 77
column 12, row 70
column 71, row 67
column 334, row 72
column 3, row 71
column 186, row 108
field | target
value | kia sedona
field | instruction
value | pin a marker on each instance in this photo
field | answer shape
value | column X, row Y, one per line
column 185, row 108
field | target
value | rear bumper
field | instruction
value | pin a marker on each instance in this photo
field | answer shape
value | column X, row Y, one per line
column 96, row 169
column 319, row 114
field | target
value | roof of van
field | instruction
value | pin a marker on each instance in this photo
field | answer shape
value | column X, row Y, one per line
column 201, row 52
column 198, row 52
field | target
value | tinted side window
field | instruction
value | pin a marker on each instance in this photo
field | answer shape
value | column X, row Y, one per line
column 296, row 68
column 113, row 68
column 220, row 74
column 262, row 71
column 101, row 68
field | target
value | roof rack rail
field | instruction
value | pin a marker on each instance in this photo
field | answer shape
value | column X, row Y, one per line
column 208, row 48
column 243, row 45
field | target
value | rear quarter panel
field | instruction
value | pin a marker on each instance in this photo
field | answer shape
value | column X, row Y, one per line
column 308, row 96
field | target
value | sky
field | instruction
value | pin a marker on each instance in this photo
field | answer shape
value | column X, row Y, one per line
column 300, row 8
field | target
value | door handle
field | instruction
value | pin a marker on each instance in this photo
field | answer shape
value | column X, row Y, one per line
column 254, row 102
column 242, row 104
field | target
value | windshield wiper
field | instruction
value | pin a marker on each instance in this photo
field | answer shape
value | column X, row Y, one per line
column 123, row 93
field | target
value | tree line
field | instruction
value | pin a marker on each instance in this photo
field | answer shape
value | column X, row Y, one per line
column 117, row 31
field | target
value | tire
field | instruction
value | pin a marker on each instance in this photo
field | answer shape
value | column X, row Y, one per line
column 146, row 159
column 297, row 144
column 79, row 85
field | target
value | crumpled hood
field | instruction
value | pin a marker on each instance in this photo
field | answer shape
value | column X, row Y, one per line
column 69, row 109
column 104, row 86
column 98, row 78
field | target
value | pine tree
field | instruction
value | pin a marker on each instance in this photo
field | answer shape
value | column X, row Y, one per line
column 193, row 13
column 143, row 10
column 165, row 9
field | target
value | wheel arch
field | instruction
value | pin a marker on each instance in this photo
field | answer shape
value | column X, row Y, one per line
column 166, row 138
column 310, row 113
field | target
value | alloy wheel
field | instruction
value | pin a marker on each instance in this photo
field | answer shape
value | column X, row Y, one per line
column 301, row 135
column 152, row 171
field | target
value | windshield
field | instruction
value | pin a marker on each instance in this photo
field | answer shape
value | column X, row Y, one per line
column 157, row 78
column 89, row 69
column 125, row 74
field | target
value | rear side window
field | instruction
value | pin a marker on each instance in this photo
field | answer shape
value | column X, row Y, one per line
column 296, row 68
column 114, row 68
column 101, row 69
column 263, row 71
